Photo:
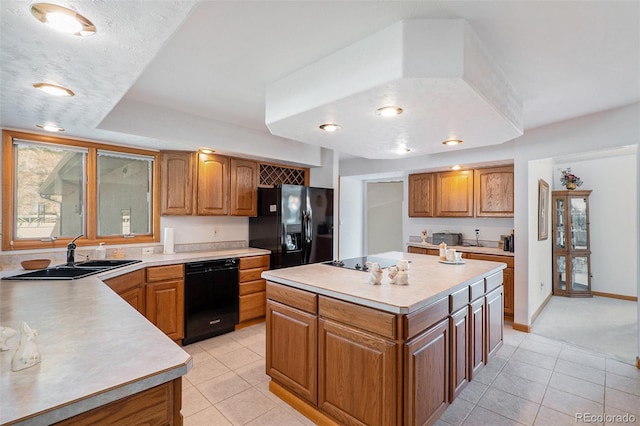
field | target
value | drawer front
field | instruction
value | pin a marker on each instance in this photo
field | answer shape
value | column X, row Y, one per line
column 252, row 306
column 162, row 273
column 249, row 274
column 477, row 290
column 369, row 319
column 492, row 258
column 459, row 299
column 252, row 287
column 126, row 282
column 426, row 317
column 293, row 297
column 254, row 262
column 417, row 250
column 493, row 281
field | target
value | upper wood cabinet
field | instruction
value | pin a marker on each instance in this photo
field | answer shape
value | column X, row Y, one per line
column 244, row 187
column 454, row 194
column 207, row 184
column 421, row 195
column 176, row 183
column 494, row 192
column 213, row 185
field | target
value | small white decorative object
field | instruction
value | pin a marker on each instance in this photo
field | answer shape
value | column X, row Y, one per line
column 27, row 354
column 375, row 273
column 6, row 333
column 403, row 265
column 424, row 235
column 402, row 278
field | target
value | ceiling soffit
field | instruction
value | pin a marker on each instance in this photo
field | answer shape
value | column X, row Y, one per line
column 438, row 71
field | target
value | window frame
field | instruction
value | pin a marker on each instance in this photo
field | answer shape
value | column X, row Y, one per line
column 91, row 193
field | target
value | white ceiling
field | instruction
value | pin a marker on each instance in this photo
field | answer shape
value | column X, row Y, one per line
column 212, row 60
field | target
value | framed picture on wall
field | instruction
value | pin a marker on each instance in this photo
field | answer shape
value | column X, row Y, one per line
column 543, row 210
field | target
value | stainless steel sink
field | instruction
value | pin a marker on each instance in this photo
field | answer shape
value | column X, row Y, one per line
column 78, row 270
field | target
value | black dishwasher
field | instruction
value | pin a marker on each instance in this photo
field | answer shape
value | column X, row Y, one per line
column 210, row 299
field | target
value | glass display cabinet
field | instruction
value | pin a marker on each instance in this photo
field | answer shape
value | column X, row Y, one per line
column 571, row 251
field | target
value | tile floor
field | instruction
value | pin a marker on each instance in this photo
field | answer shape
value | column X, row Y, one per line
column 533, row 380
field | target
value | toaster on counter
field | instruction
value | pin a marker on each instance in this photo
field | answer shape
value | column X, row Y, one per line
column 447, row 238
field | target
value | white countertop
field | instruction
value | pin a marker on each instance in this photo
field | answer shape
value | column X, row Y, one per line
column 429, row 280
column 467, row 249
column 95, row 347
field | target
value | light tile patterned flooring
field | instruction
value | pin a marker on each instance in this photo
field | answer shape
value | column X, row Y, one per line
column 532, row 380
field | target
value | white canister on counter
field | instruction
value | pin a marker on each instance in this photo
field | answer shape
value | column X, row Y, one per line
column 101, row 252
column 443, row 251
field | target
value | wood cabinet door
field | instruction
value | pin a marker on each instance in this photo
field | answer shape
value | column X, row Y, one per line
column 213, row 185
column 476, row 341
column 459, row 367
column 495, row 321
column 508, row 283
column 244, row 187
column 291, row 358
column 135, row 297
column 252, row 306
column 494, row 192
column 165, row 307
column 421, row 195
column 357, row 376
column 176, row 183
column 427, row 375
column 454, row 194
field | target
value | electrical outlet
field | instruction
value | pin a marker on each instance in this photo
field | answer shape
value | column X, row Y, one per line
column 147, row 250
column 215, row 232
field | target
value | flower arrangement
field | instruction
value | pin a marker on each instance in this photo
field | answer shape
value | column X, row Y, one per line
column 569, row 180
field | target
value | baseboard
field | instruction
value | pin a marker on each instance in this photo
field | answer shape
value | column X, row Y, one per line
column 615, row 296
column 301, row 406
column 534, row 317
column 249, row 323
column 638, row 362
column 522, row 327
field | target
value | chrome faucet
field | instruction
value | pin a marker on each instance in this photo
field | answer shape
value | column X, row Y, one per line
column 71, row 249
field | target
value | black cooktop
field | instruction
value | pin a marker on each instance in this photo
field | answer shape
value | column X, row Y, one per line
column 359, row 263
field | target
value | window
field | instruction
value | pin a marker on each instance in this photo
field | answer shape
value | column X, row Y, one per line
column 55, row 189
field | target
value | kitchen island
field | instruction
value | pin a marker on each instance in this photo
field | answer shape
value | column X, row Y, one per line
column 342, row 351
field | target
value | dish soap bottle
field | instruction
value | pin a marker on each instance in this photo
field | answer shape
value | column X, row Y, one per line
column 443, row 250
column 101, row 252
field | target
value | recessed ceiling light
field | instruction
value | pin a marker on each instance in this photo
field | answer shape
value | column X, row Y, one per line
column 50, row 127
column 456, row 167
column 389, row 111
column 452, row 142
column 63, row 19
column 53, row 89
column 207, row 150
column 330, row 127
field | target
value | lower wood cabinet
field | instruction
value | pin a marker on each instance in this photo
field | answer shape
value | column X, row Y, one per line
column 495, row 321
column 459, row 326
column 477, row 355
column 507, row 277
column 165, row 299
column 251, row 291
column 159, row 405
column 356, row 375
column 426, row 375
column 131, row 287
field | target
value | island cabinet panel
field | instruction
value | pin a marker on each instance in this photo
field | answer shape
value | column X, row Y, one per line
column 243, row 187
column 459, row 368
column 495, row 321
column 424, row 318
column 357, row 375
column 176, row 182
column 454, row 194
column 477, row 356
column 213, row 185
column 131, row 288
column 494, row 192
column 421, row 195
column 507, row 277
column 367, row 319
column 426, row 375
column 159, row 405
column 291, row 357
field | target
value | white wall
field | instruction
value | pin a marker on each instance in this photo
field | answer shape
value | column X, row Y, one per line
column 351, row 218
column 490, row 228
column 540, row 256
column 384, row 202
column 612, row 217
column 200, row 229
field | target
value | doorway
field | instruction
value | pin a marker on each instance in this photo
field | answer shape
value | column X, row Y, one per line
column 384, row 216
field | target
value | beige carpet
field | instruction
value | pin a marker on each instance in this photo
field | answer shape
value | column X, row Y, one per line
column 601, row 324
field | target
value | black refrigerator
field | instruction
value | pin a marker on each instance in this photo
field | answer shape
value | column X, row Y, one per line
column 294, row 222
